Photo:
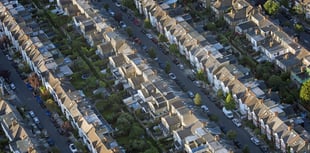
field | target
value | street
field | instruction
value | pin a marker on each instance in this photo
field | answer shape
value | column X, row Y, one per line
column 27, row 100
column 242, row 136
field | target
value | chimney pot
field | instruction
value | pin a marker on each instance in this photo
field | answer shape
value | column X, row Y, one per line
column 276, row 114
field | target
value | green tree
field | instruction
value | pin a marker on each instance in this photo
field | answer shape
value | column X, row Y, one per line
column 298, row 9
column 200, row 75
column 271, row 7
column 298, row 27
column 129, row 3
column 106, row 6
column 162, row 38
column 229, row 102
column 304, row 93
column 210, row 26
column 152, row 53
column 173, row 48
column 124, row 123
column 285, row 3
column 151, row 150
column 167, row 67
column 147, row 24
column 197, row 99
column 246, row 149
column 231, row 134
column 129, row 32
column 275, row 82
column 136, row 131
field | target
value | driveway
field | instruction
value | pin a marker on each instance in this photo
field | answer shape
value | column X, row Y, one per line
column 26, row 99
column 242, row 135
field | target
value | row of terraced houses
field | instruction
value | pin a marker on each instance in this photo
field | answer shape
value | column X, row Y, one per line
column 29, row 38
column 264, row 37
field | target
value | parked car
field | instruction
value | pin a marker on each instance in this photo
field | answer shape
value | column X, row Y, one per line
column 117, row 4
column 228, row 113
column 50, row 141
column 172, row 76
column 205, row 108
column 237, row 122
column 36, row 120
column 122, row 24
column 12, row 85
column 9, row 57
column 255, row 141
column 72, row 148
column 150, row 36
column 190, row 94
column 32, row 114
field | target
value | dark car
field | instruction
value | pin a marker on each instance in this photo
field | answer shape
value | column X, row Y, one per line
column 237, row 144
column 191, row 77
column 176, row 61
column 50, row 141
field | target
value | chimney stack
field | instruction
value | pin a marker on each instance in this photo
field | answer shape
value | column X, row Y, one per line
column 286, row 56
column 217, row 138
column 276, row 114
column 256, row 31
column 271, row 43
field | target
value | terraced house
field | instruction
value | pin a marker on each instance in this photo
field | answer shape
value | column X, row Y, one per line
column 223, row 74
column 53, row 70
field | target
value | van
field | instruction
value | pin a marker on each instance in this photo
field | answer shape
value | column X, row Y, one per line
column 228, row 113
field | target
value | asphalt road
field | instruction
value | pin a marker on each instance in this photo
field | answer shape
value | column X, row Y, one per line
column 26, row 99
column 242, row 135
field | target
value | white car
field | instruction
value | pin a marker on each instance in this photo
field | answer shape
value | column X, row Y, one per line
column 228, row 113
column 172, row 76
column 112, row 13
column 122, row 24
column 190, row 94
column 72, row 148
column 181, row 66
column 12, row 85
column 255, row 141
column 205, row 108
column 236, row 122
column 36, row 120
column 117, row 4
column 9, row 57
column 32, row 114
column 149, row 35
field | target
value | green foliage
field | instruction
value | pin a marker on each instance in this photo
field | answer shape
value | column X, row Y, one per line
column 151, row 150
column 152, row 53
column 285, row 3
column 197, row 99
column 124, row 123
column 220, row 94
column 201, row 76
column 231, row 134
column 162, row 38
column 129, row 32
column 246, row 149
column 275, row 82
column 271, row 7
column 147, row 24
column 298, row 27
column 106, row 6
column 304, row 93
column 173, row 48
column 214, row 118
column 136, row 131
column 210, row 26
column 129, row 3
column 298, row 9
column 229, row 102
column 167, row 67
